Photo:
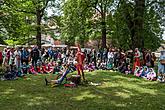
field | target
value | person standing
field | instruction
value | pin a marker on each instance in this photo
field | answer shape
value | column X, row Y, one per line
column 17, row 55
column 94, row 57
column 148, row 58
column 25, row 56
column 12, row 57
column 4, row 53
column 105, row 55
column 136, row 59
column 80, row 59
column 35, row 56
column 110, row 58
column 153, row 59
column 116, row 58
column 161, row 67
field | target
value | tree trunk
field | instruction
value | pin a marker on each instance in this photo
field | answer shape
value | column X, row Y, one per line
column 38, row 28
column 138, row 23
column 103, row 30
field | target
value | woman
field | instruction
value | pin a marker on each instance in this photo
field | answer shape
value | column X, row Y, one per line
column 148, row 58
column 153, row 59
column 136, row 59
column 17, row 61
column 110, row 59
column 161, row 67
column 4, row 53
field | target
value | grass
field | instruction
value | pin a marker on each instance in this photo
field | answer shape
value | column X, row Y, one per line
column 117, row 92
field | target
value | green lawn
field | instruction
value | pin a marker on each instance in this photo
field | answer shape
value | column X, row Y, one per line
column 117, row 92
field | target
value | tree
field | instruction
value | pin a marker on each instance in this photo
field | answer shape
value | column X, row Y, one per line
column 103, row 8
column 75, row 22
column 26, row 8
column 136, row 27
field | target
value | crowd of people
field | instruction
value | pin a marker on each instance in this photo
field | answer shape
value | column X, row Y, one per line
column 20, row 61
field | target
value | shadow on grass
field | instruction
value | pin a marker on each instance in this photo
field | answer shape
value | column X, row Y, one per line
column 116, row 92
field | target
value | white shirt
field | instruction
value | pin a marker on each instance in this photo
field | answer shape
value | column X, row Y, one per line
column 110, row 55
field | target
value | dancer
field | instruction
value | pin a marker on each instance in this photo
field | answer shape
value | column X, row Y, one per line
column 80, row 59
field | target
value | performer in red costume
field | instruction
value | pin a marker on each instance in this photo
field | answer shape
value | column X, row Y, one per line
column 136, row 59
column 80, row 59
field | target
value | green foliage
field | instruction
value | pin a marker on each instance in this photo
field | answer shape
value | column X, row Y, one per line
column 124, row 24
column 83, row 20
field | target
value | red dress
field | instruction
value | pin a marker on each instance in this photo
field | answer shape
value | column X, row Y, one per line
column 136, row 60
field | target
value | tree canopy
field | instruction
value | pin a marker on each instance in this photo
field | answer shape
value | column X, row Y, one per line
column 126, row 24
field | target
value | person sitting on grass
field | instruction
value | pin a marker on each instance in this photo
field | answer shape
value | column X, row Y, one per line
column 140, row 72
column 60, row 80
column 46, row 68
column 145, row 72
column 57, row 68
column 128, row 70
column 25, row 68
column 32, row 70
column 10, row 73
column 103, row 66
column 19, row 72
column 122, row 67
column 151, row 75
column 91, row 67
column 136, row 72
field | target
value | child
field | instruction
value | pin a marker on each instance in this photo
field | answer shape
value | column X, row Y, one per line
column 136, row 72
column 44, row 69
column 145, row 72
column 10, row 74
column 151, row 75
column 25, row 68
column 141, row 70
column 19, row 72
column 57, row 69
column 91, row 67
column 98, row 64
column 38, row 68
column 32, row 70
column 103, row 66
column 49, row 68
column 128, row 70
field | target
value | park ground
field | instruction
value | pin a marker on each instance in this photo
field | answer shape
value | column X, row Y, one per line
column 116, row 92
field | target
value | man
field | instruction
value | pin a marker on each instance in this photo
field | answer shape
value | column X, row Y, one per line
column 35, row 56
column 161, row 67
column 25, row 56
column 80, row 59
